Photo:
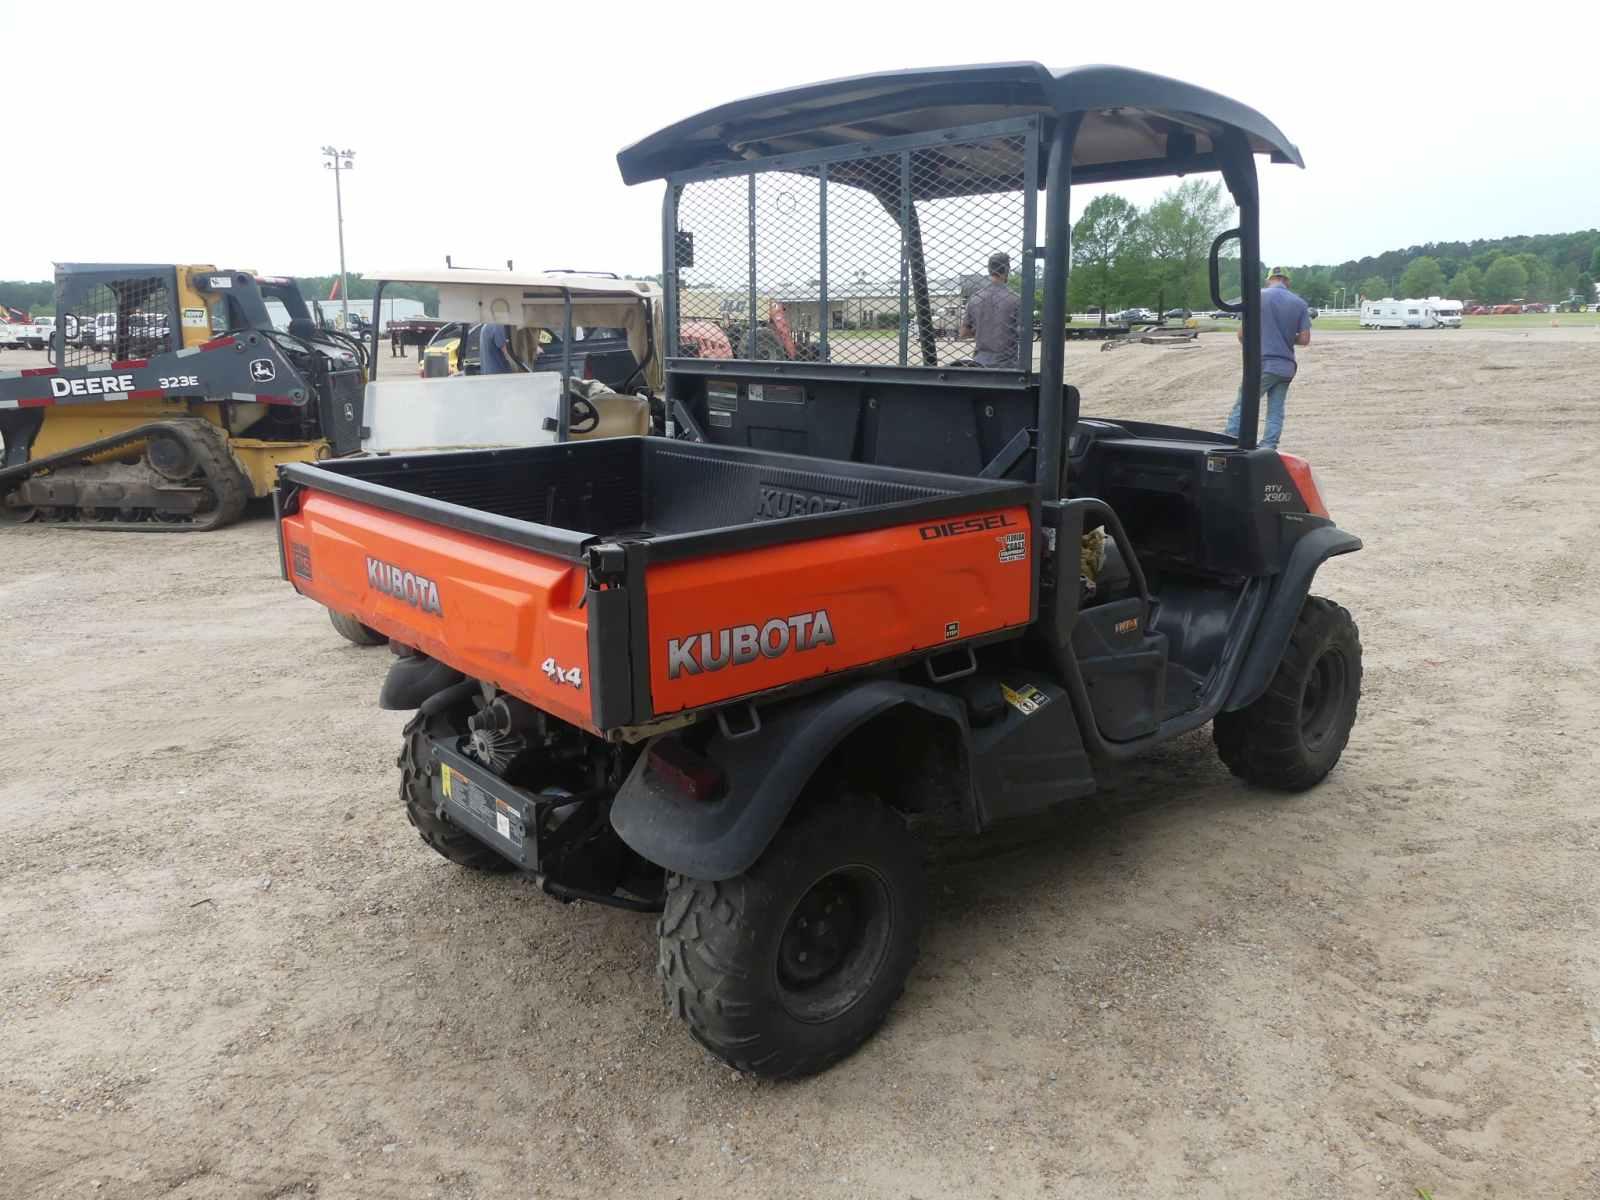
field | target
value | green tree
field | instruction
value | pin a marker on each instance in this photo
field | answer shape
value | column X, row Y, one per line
column 1423, row 278
column 1374, row 287
column 35, row 298
column 1539, row 282
column 1594, row 262
column 1314, row 287
column 1467, row 284
column 1178, row 230
column 1586, row 287
column 1102, row 240
column 1506, row 279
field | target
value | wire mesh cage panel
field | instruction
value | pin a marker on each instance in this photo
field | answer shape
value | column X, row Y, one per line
column 113, row 320
column 857, row 257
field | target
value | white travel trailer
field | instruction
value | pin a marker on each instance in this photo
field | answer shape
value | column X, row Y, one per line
column 1390, row 313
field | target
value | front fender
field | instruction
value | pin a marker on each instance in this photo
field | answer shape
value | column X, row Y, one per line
column 1289, row 592
column 765, row 774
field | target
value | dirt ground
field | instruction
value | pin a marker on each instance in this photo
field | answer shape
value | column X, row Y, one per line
column 230, row 969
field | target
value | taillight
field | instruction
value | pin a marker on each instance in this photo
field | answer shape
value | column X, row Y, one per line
column 696, row 776
column 1305, row 483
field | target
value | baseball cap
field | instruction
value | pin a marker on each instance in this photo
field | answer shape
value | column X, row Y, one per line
column 1000, row 263
column 1283, row 271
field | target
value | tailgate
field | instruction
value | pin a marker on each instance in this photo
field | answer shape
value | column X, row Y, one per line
column 744, row 621
column 510, row 616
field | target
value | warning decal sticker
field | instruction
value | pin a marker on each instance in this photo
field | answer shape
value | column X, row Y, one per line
column 1026, row 699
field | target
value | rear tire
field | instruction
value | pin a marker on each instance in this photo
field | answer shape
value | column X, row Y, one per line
column 1293, row 734
column 352, row 630
column 764, row 346
column 416, row 793
column 787, row 968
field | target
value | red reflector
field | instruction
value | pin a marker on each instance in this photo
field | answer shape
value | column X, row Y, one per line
column 217, row 343
column 128, row 364
column 32, row 372
column 680, row 767
column 1305, row 483
column 588, row 369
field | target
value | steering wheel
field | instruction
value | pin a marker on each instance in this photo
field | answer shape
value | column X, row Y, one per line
column 582, row 416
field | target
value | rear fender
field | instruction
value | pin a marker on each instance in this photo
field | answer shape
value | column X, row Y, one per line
column 413, row 678
column 765, row 773
column 1289, row 592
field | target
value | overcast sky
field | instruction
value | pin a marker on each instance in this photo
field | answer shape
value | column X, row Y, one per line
column 489, row 131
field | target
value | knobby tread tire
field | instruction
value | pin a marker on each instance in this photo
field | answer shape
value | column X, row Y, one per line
column 352, row 630
column 416, row 793
column 1262, row 743
column 717, row 941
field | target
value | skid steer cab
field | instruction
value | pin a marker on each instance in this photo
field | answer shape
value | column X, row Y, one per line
column 735, row 675
column 172, row 395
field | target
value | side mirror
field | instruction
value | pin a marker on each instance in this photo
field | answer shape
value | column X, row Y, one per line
column 1214, row 266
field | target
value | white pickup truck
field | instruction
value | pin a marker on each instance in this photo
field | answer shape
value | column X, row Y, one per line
column 35, row 336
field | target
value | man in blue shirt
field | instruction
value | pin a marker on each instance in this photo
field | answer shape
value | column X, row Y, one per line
column 1285, row 324
column 494, row 352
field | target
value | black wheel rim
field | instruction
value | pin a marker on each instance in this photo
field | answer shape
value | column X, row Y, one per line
column 1323, row 698
column 834, row 944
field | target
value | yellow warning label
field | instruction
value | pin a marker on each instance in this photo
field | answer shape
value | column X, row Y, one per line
column 1026, row 699
column 444, row 778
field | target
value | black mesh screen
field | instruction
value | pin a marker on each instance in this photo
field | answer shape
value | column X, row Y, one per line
column 118, row 319
column 870, row 259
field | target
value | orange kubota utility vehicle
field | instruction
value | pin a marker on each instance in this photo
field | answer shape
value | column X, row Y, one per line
column 732, row 675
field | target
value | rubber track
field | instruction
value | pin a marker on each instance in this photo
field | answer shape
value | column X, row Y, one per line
column 209, row 445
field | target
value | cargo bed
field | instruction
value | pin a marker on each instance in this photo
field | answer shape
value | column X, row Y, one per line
column 619, row 581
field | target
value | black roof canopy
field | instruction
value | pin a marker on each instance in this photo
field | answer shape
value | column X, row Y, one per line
column 1135, row 125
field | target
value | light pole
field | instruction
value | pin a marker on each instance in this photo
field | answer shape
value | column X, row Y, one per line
column 338, row 161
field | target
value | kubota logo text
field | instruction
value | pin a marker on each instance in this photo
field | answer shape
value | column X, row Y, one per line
column 416, row 590
column 741, row 644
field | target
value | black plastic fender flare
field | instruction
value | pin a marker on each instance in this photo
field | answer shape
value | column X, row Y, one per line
column 1289, row 592
column 765, row 774
column 412, row 679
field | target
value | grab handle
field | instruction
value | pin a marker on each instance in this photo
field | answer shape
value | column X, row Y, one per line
column 1216, row 278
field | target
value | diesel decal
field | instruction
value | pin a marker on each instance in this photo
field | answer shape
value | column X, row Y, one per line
column 1127, row 626
column 98, row 385
column 742, row 644
column 955, row 528
column 416, row 590
column 784, row 502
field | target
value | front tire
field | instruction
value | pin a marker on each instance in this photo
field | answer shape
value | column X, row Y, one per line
column 1293, row 734
column 787, row 968
column 416, row 793
column 352, row 630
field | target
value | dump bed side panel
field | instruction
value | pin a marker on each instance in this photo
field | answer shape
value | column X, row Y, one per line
column 497, row 613
column 732, row 624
